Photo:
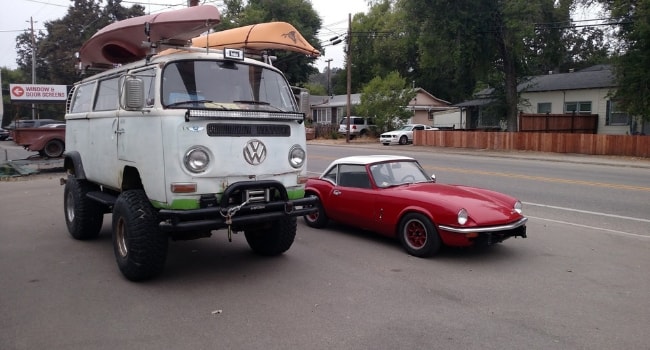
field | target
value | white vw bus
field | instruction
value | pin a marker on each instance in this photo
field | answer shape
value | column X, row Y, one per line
column 178, row 145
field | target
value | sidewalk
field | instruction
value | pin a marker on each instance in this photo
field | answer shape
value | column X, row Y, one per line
column 618, row 161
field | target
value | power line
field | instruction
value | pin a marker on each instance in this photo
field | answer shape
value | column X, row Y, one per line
column 46, row 3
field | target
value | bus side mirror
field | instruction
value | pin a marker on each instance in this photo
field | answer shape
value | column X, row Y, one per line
column 133, row 94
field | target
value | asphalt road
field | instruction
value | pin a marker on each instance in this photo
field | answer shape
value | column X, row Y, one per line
column 580, row 281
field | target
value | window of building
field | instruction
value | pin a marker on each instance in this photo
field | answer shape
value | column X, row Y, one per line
column 544, row 108
column 616, row 116
column 323, row 116
column 583, row 107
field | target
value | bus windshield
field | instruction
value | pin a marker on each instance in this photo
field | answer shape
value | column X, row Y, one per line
column 225, row 85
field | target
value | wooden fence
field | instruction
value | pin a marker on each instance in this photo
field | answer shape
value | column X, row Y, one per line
column 593, row 144
column 571, row 123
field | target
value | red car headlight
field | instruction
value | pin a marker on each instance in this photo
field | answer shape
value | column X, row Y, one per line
column 462, row 216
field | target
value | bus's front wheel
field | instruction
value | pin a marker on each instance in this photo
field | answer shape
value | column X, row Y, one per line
column 274, row 238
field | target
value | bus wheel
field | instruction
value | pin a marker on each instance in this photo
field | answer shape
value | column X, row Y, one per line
column 139, row 245
column 273, row 239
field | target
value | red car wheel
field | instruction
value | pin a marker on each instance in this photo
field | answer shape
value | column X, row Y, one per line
column 418, row 235
column 318, row 219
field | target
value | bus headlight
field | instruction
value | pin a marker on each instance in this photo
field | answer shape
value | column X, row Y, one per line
column 196, row 159
column 297, row 156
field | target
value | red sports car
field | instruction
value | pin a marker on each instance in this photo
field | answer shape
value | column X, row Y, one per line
column 393, row 196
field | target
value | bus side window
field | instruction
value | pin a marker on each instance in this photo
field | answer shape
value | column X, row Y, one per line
column 83, row 98
column 107, row 99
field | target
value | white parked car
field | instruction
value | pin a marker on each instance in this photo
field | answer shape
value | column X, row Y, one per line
column 403, row 135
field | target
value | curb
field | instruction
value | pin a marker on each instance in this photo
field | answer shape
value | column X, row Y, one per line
column 619, row 161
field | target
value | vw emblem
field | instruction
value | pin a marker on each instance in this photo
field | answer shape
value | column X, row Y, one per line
column 254, row 152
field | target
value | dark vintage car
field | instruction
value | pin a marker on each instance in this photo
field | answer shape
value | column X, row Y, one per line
column 393, row 196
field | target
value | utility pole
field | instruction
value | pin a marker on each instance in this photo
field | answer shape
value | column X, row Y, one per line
column 329, row 93
column 31, row 20
column 349, row 66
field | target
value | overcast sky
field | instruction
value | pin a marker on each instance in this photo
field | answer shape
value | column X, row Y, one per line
column 15, row 19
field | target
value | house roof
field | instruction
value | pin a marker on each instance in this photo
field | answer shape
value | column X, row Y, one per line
column 475, row 103
column 600, row 76
column 355, row 99
column 595, row 77
column 418, row 90
column 334, row 101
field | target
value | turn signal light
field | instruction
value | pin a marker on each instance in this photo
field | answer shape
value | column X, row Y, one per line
column 183, row 187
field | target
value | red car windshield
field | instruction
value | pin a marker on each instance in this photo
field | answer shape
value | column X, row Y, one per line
column 398, row 173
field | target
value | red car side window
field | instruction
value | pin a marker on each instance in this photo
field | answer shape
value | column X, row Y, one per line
column 353, row 176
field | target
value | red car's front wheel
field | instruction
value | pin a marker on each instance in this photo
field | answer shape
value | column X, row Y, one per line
column 317, row 219
column 418, row 235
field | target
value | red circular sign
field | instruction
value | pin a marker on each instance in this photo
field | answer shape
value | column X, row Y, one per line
column 18, row 91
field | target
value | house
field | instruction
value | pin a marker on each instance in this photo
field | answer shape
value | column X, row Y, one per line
column 331, row 109
column 470, row 115
column 424, row 105
column 586, row 91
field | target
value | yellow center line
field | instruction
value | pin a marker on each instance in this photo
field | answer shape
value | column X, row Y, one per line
column 543, row 178
column 523, row 177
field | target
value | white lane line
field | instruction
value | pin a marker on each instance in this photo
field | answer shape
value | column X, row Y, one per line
column 588, row 212
column 590, row 227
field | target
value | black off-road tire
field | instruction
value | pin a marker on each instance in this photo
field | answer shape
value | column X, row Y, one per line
column 319, row 219
column 418, row 235
column 139, row 245
column 83, row 216
column 53, row 149
column 274, row 239
column 403, row 140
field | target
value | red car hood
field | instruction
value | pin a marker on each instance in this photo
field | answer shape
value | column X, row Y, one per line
column 485, row 207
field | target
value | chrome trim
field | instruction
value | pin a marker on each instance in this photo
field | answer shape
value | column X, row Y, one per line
column 516, row 224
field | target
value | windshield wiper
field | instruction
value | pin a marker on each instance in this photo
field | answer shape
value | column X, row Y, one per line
column 259, row 103
column 253, row 102
column 211, row 103
column 188, row 101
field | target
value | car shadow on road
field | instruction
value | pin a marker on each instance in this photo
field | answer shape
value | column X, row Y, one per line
column 474, row 254
column 192, row 260
column 217, row 258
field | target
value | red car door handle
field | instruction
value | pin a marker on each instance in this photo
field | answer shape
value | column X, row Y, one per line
column 336, row 192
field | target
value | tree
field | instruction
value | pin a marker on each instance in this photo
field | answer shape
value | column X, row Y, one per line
column 499, row 42
column 386, row 100
column 315, row 89
column 56, row 48
column 631, row 64
column 300, row 13
column 11, row 110
column 449, row 47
